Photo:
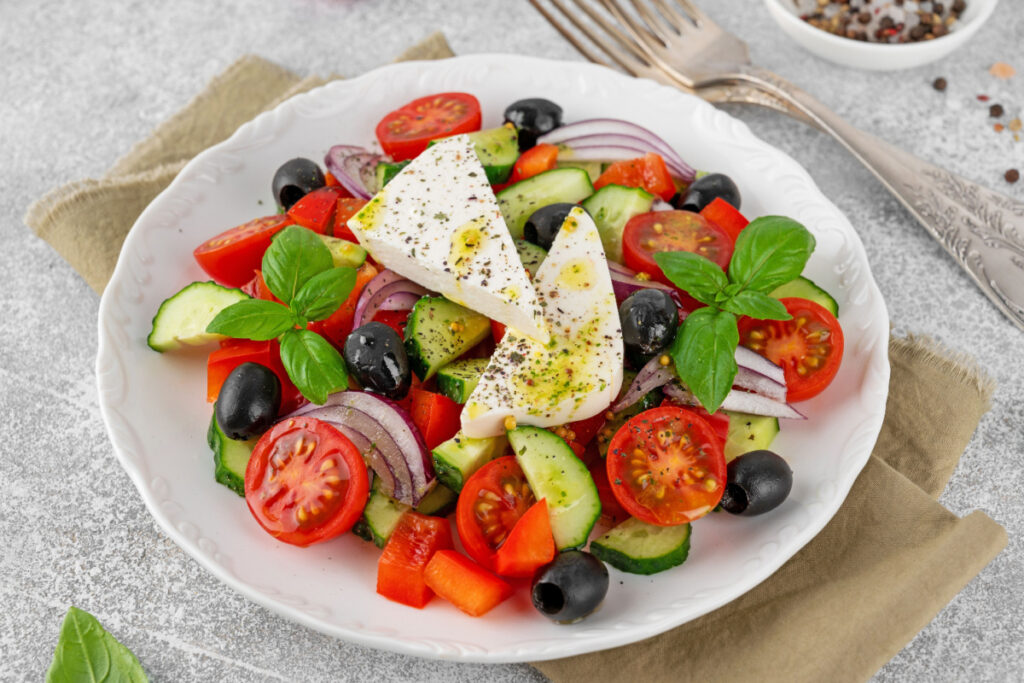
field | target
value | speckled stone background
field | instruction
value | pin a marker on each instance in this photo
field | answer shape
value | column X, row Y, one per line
column 83, row 80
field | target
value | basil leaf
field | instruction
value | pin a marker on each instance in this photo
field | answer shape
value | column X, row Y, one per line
column 324, row 293
column 292, row 259
column 704, row 352
column 700, row 278
column 86, row 652
column 254, row 319
column 315, row 366
column 757, row 305
column 769, row 252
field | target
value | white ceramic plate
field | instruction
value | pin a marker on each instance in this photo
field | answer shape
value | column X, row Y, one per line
column 155, row 411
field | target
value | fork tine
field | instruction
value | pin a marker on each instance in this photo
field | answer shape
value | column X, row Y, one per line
column 654, row 25
column 642, row 37
column 569, row 35
column 629, row 45
column 679, row 22
column 630, row 60
column 696, row 14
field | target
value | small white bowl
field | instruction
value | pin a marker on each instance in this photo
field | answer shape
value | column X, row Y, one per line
column 879, row 56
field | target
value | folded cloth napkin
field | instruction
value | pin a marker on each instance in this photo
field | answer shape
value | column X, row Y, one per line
column 838, row 610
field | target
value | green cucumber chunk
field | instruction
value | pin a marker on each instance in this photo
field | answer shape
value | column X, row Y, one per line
column 459, row 457
column 530, row 255
column 806, row 289
column 439, row 502
column 439, row 331
column 611, row 207
column 518, row 202
column 345, row 254
column 640, row 548
column 458, row 379
column 182, row 319
column 230, row 457
column 381, row 514
column 556, row 474
column 749, row 433
column 386, row 170
column 593, row 168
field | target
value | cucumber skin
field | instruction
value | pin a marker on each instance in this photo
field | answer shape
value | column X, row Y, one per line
column 646, row 565
column 805, row 288
column 418, row 349
column 221, row 473
column 457, row 388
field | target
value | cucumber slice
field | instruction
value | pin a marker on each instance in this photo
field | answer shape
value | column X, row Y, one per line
column 555, row 473
column 749, row 433
column 806, row 289
column 459, row 457
column 230, row 457
column 517, row 202
column 386, row 170
column 182, row 319
column 381, row 514
column 440, row 331
column 497, row 149
column 531, row 256
column 439, row 502
column 640, row 548
column 345, row 254
column 611, row 207
column 457, row 380
column 593, row 168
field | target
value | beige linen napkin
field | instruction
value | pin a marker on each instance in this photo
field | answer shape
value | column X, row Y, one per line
column 838, row 610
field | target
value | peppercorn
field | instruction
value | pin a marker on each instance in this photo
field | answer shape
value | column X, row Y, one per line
column 995, row 111
column 1012, row 176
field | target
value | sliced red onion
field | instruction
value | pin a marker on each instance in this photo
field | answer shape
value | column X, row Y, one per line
column 402, row 301
column 740, row 402
column 759, row 384
column 350, row 164
column 387, row 286
column 610, row 152
column 651, row 376
column 590, row 127
column 751, row 360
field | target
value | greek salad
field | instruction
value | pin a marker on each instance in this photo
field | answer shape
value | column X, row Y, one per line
column 557, row 338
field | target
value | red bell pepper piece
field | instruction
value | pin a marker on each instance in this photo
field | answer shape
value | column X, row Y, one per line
column 396, row 320
column 725, row 216
column 413, row 542
column 648, row 172
column 337, row 326
column 497, row 331
column 534, row 161
column 529, row 546
column 347, row 207
column 436, row 416
column 464, row 583
column 316, row 210
column 586, row 430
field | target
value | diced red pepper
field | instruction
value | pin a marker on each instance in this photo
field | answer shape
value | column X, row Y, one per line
column 534, row 161
column 316, row 210
column 347, row 207
column 586, row 430
column 330, row 180
column 612, row 511
column 497, row 331
column 529, row 546
column 725, row 216
column 396, row 320
column 234, row 352
column 464, row 583
column 436, row 416
column 412, row 544
column 648, row 172
column 336, row 327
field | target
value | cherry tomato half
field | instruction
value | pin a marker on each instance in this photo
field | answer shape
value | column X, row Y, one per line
column 656, row 231
column 405, row 132
column 666, row 466
column 231, row 257
column 491, row 502
column 305, row 482
column 648, row 172
column 809, row 347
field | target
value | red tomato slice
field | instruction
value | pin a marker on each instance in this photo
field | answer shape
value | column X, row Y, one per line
column 529, row 546
column 234, row 352
column 405, row 132
column 721, row 213
column 347, row 207
column 809, row 347
column 436, row 416
column 316, row 210
column 491, row 502
column 257, row 288
column 231, row 257
column 400, row 570
column 336, row 327
column 534, row 161
column 465, row 584
column 666, row 466
column 305, row 482
column 584, row 431
column 648, row 172
column 497, row 331
column 718, row 421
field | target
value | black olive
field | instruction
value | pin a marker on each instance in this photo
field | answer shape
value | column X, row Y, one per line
column 705, row 190
column 570, row 587
column 649, row 322
column 758, row 481
column 543, row 225
column 248, row 402
column 294, row 180
column 376, row 357
column 533, row 117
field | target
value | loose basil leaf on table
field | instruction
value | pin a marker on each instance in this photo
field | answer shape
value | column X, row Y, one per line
column 704, row 352
column 324, row 293
column 294, row 257
column 316, row 367
column 769, row 252
column 756, row 305
column 701, row 278
column 254, row 319
column 87, row 652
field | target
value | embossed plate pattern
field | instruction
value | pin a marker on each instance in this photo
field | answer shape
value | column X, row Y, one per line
column 155, row 413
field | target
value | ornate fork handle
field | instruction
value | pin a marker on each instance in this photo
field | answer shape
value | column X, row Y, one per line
column 983, row 230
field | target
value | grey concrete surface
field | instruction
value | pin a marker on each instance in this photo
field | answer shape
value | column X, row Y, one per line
column 83, row 80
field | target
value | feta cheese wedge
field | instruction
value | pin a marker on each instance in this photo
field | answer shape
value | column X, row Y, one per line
column 579, row 372
column 438, row 224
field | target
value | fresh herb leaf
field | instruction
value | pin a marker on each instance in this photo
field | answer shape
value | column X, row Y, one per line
column 294, row 257
column 315, row 366
column 87, row 652
column 324, row 293
column 704, row 352
column 769, row 252
column 756, row 305
column 699, row 277
column 254, row 319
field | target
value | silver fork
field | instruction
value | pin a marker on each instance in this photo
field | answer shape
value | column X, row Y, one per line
column 676, row 43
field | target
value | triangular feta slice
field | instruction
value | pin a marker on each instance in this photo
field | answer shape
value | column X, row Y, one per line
column 438, row 224
column 578, row 373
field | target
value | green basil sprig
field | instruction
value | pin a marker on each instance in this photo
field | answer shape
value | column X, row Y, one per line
column 298, row 270
column 770, row 251
column 87, row 652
